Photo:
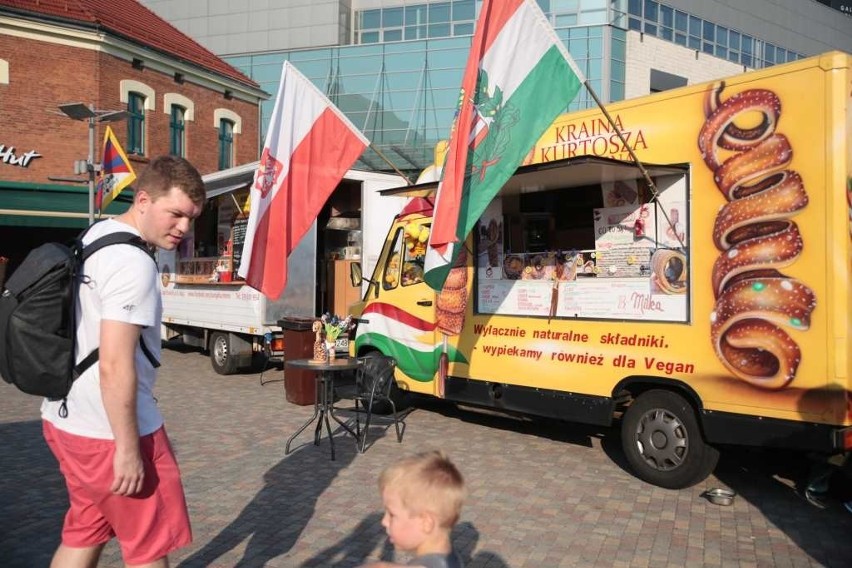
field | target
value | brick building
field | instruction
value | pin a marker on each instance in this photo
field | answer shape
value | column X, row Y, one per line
column 111, row 55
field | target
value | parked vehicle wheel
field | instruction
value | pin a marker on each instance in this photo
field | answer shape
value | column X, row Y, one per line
column 663, row 442
column 221, row 354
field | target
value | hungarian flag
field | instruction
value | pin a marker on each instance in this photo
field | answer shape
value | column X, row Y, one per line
column 519, row 78
column 116, row 172
column 309, row 146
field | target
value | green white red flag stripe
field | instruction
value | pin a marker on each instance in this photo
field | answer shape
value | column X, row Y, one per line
column 309, row 147
column 410, row 340
column 519, row 77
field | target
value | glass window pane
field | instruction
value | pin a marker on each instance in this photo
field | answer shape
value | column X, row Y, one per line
column 594, row 69
column 680, row 39
column 747, row 60
column 721, row 52
column 707, row 47
column 780, row 55
column 747, row 44
column 734, row 40
column 708, row 32
column 439, row 13
column 595, row 47
column 734, row 56
column 565, row 6
column 591, row 18
column 391, row 17
column 578, row 48
column 463, row 10
column 567, row 20
column 618, row 50
column 439, row 30
column 369, row 37
column 371, row 19
column 393, row 35
column 681, row 21
column 462, row 29
column 634, row 7
column 695, row 26
column 650, row 29
column 617, row 69
column 666, row 33
column 666, row 16
column 651, row 11
column 694, row 42
column 721, row 35
column 770, row 53
column 415, row 15
column 634, row 24
column 415, row 32
column 616, row 91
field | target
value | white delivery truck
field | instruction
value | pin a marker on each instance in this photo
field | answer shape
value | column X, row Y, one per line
column 206, row 305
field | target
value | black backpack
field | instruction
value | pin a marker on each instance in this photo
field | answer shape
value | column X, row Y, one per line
column 37, row 316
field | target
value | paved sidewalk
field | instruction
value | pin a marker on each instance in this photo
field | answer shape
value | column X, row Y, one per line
column 542, row 494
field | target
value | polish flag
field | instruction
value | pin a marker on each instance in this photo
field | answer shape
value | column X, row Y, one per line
column 309, row 147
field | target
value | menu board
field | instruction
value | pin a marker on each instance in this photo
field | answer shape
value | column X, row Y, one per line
column 237, row 240
column 627, row 298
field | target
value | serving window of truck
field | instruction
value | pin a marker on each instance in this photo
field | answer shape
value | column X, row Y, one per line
column 586, row 241
column 210, row 253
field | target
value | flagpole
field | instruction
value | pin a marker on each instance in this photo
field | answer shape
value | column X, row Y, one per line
column 388, row 162
column 651, row 185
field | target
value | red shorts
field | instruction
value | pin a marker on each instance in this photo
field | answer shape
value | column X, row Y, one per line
column 148, row 525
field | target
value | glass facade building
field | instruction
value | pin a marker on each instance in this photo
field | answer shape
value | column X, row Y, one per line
column 399, row 82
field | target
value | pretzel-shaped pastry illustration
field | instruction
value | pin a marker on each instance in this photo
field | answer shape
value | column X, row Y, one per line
column 668, row 271
column 756, row 236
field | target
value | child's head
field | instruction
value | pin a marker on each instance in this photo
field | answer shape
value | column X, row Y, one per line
column 423, row 496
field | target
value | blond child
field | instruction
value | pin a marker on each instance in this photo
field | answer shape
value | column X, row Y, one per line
column 422, row 497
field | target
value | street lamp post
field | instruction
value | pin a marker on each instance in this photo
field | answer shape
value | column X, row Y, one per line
column 80, row 111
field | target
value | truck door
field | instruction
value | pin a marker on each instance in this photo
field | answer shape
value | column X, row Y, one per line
column 402, row 315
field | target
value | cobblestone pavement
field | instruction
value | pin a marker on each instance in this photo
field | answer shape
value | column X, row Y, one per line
column 542, row 494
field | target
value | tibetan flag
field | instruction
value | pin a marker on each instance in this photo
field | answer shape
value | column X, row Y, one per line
column 518, row 79
column 309, row 146
column 116, row 172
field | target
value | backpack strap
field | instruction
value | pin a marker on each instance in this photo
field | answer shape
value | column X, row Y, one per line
column 120, row 238
column 92, row 358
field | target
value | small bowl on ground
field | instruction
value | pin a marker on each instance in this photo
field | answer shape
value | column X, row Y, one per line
column 719, row 496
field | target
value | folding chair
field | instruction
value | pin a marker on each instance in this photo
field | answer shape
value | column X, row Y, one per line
column 371, row 389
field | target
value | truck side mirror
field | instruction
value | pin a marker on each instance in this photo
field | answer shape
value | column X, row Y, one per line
column 355, row 275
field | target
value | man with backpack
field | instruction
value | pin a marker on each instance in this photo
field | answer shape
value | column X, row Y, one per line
column 107, row 433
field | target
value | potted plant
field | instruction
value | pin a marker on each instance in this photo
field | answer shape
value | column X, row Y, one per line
column 333, row 327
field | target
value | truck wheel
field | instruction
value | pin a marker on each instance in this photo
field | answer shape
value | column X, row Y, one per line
column 663, row 443
column 221, row 355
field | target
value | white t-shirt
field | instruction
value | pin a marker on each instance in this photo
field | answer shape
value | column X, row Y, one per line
column 122, row 285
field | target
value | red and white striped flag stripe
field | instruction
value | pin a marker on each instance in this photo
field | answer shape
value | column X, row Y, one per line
column 309, row 147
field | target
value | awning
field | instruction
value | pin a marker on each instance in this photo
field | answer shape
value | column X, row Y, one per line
column 570, row 172
column 50, row 205
column 232, row 179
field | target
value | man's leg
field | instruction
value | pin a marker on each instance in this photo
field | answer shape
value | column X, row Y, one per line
column 161, row 563
column 68, row 557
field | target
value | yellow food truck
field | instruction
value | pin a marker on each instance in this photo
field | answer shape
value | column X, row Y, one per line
column 706, row 303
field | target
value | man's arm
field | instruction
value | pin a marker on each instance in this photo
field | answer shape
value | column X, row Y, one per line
column 117, row 361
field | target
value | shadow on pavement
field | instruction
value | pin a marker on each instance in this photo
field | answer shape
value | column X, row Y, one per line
column 556, row 430
column 31, row 490
column 275, row 518
column 773, row 481
column 355, row 548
